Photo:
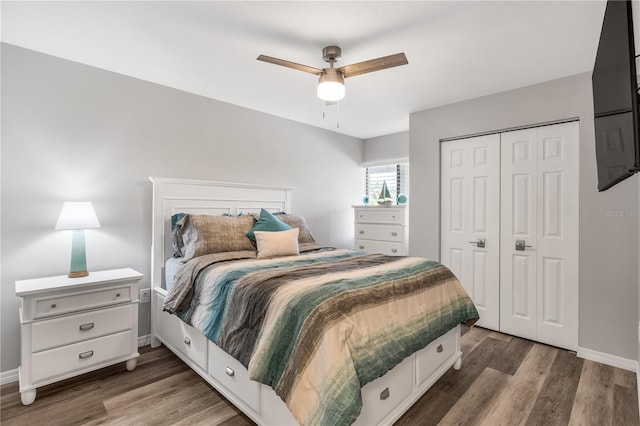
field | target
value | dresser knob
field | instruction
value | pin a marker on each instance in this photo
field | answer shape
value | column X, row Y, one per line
column 85, row 355
column 117, row 294
column 394, row 250
column 187, row 341
column 394, row 234
column 361, row 231
column 85, row 327
column 361, row 247
column 230, row 372
column 53, row 306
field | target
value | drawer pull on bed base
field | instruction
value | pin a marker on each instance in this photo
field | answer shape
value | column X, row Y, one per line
column 230, row 372
column 85, row 327
column 439, row 348
column 85, row 355
column 384, row 394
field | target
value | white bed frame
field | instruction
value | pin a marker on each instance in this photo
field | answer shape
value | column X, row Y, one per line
column 384, row 399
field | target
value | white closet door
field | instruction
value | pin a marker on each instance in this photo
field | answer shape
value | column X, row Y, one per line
column 470, row 190
column 539, row 260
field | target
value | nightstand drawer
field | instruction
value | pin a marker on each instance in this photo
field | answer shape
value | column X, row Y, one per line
column 56, row 332
column 81, row 301
column 79, row 356
column 382, row 247
column 380, row 232
column 380, row 215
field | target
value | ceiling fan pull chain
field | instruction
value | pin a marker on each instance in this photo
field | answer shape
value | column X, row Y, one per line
column 337, row 114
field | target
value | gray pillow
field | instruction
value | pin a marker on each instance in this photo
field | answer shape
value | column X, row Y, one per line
column 204, row 234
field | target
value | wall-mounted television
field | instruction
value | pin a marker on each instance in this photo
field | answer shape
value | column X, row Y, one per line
column 615, row 98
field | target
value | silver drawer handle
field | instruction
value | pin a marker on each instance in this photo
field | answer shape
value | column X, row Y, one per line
column 85, row 355
column 384, row 394
column 53, row 306
column 230, row 372
column 439, row 349
column 394, row 234
column 360, row 247
column 187, row 341
column 85, row 327
column 394, row 250
column 361, row 232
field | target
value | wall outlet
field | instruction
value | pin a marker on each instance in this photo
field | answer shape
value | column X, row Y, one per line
column 145, row 295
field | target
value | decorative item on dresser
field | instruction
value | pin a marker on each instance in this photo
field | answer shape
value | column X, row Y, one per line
column 382, row 229
column 70, row 326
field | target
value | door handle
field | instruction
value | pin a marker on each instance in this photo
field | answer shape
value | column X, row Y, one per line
column 521, row 245
column 481, row 243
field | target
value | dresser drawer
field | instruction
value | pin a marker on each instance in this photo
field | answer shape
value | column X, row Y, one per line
column 382, row 247
column 431, row 357
column 232, row 374
column 380, row 232
column 47, row 306
column 183, row 337
column 79, row 356
column 384, row 394
column 56, row 332
column 380, row 215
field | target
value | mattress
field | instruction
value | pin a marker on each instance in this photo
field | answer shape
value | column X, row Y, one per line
column 171, row 267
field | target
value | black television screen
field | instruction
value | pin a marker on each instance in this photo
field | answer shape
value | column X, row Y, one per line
column 615, row 97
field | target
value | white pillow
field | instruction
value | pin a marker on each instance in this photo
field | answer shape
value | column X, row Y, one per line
column 274, row 244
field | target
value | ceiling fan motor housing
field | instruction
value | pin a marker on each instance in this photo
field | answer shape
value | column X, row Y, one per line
column 331, row 54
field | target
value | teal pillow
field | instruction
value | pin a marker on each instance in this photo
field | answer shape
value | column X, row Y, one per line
column 267, row 222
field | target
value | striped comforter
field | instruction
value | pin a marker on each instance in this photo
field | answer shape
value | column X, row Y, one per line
column 319, row 326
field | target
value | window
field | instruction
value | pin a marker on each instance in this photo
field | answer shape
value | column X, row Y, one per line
column 396, row 176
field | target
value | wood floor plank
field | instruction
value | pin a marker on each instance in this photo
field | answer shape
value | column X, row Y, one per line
column 429, row 409
column 456, row 382
column 500, row 336
column 514, row 404
column 215, row 414
column 625, row 378
column 510, row 359
column 555, row 400
column 473, row 406
column 472, row 339
column 625, row 406
column 593, row 403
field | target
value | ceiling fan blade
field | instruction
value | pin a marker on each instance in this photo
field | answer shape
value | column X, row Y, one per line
column 374, row 65
column 289, row 64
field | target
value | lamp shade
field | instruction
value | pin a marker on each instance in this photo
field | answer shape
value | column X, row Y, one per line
column 77, row 215
column 331, row 85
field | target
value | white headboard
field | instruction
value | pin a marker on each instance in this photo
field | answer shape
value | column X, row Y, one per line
column 172, row 196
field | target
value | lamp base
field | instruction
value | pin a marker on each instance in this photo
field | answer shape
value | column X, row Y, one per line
column 78, row 274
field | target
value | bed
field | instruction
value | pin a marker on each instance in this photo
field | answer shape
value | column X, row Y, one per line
column 368, row 380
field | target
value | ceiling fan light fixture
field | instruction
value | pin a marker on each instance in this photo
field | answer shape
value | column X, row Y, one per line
column 331, row 85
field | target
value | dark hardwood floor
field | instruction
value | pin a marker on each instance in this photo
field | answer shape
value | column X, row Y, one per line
column 504, row 380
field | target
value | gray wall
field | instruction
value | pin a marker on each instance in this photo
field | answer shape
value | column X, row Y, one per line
column 387, row 149
column 73, row 132
column 609, row 252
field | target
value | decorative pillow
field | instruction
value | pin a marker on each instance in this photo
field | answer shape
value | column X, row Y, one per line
column 296, row 221
column 204, row 234
column 267, row 222
column 274, row 244
column 176, row 242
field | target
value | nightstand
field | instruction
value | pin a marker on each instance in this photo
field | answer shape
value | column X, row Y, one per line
column 381, row 229
column 71, row 326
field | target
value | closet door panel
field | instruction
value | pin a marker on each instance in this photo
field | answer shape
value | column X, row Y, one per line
column 557, row 298
column 470, row 191
column 518, row 206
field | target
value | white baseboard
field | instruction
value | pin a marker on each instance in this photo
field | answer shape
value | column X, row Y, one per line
column 12, row 375
column 608, row 359
column 9, row 376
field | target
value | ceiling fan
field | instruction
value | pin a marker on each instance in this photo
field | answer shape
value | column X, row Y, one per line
column 331, row 84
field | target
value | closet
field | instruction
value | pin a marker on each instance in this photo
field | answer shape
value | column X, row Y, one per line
column 509, row 228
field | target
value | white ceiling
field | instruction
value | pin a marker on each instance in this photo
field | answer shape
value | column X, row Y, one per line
column 456, row 50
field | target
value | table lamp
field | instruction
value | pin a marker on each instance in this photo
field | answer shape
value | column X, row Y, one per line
column 77, row 216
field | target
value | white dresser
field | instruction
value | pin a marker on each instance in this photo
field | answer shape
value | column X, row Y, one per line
column 70, row 326
column 382, row 229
